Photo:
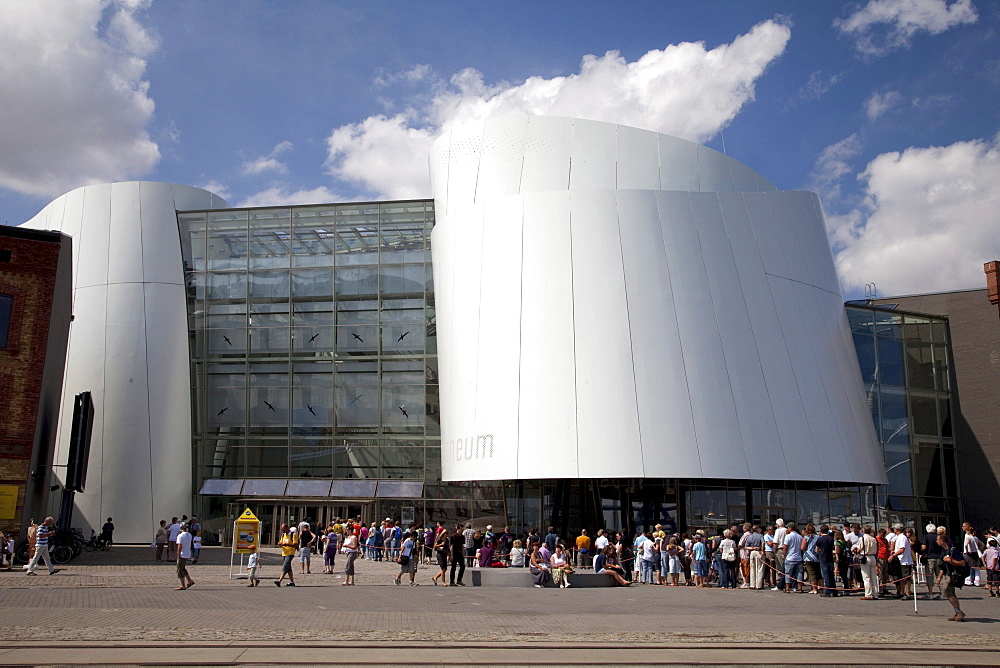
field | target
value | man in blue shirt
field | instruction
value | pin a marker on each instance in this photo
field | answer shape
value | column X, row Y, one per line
column 792, row 550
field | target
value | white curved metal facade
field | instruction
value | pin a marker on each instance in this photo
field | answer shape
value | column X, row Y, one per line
column 612, row 302
column 129, row 348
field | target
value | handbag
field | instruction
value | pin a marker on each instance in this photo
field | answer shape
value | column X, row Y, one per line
column 403, row 560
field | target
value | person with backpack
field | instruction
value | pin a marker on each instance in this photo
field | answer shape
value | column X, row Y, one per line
column 956, row 570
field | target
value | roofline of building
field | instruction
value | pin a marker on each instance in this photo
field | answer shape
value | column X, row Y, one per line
column 34, row 235
column 307, row 206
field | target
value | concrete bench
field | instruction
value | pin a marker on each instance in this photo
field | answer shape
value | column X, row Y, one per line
column 521, row 577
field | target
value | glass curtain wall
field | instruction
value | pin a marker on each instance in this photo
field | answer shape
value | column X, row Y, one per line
column 905, row 364
column 313, row 345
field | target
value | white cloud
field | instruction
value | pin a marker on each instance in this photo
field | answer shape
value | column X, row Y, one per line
column 879, row 103
column 929, row 220
column 269, row 162
column 279, row 195
column 832, row 165
column 75, row 104
column 818, row 84
column 217, row 188
column 684, row 90
column 882, row 26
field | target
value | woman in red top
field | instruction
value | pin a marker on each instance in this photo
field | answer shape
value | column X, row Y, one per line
column 883, row 561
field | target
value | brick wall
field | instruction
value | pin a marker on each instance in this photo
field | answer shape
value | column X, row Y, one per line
column 30, row 277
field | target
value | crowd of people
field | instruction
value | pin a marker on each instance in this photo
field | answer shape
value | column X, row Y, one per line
column 828, row 560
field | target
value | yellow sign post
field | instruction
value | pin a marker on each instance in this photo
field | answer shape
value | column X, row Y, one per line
column 246, row 535
column 246, row 538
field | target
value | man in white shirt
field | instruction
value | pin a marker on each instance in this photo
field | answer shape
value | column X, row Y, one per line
column 173, row 530
column 779, row 555
column 904, row 553
column 183, row 556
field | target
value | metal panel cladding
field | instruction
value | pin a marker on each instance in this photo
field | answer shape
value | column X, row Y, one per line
column 613, row 302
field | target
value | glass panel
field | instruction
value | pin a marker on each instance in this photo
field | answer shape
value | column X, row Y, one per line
column 194, row 238
column 398, row 489
column 222, row 457
column 264, row 487
column 356, row 395
column 355, row 462
column 359, row 281
column 897, row 466
column 401, row 279
column 359, row 312
column 226, row 240
column 928, row 469
column 353, row 489
column 308, row 488
column 227, row 285
column 266, row 341
column 402, row 339
column 923, row 409
column 403, row 407
column 890, row 362
column 402, row 462
column 812, row 506
column 313, row 405
column 312, row 313
column 312, row 283
column 919, row 365
column 357, row 340
column 226, row 395
column 269, row 285
column 218, row 487
column 227, row 342
column 917, row 328
column 862, row 320
column 888, row 324
column 708, row 509
column 941, row 367
column 403, row 310
column 270, row 238
column 313, row 238
column 312, row 341
column 895, row 427
column 944, row 411
column 227, row 316
column 311, row 459
column 864, row 346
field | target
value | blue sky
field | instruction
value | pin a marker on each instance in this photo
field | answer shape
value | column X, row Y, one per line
column 889, row 109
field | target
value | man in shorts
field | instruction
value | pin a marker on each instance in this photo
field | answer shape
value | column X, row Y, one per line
column 955, row 575
column 287, row 544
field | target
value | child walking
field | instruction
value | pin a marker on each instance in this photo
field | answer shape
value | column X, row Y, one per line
column 252, row 566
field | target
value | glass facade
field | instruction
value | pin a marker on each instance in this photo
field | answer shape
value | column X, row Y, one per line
column 313, row 353
column 905, row 365
column 314, row 367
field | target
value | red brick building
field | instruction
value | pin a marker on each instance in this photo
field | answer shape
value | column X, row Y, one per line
column 35, row 313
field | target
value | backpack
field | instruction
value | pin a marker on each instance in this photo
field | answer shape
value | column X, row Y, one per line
column 729, row 553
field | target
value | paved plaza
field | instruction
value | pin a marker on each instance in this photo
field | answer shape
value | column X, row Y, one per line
column 120, row 607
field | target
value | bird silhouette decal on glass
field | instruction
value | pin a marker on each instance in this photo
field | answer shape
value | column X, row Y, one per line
column 355, row 400
column 223, row 410
column 401, row 337
column 313, row 337
column 357, row 337
column 227, row 339
column 310, row 409
column 404, row 411
column 270, row 407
